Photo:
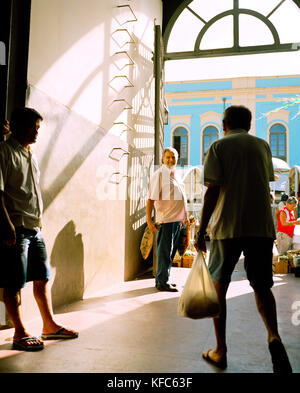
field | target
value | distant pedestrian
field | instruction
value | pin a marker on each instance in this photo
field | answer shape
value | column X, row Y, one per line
column 297, row 215
column 281, row 205
column 286, row 226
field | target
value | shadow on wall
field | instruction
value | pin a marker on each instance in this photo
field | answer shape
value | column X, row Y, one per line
column 140, row 159
column 67, row 258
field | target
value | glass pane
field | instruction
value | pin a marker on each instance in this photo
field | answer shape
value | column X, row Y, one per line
column 253, row 31
column 286, row 20
column 264, row 7
column 210, row 130
column 205, row 143
column 184, row 32
column 281, row 139
column 180, row 131
column 209, row 9
column 277, row 128
column 219, row 35
column 273, row 142
column 184, row 140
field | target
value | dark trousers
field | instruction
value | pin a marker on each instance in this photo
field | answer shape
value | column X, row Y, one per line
column 167, row 242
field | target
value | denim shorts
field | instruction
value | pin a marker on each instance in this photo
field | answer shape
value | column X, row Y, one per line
column 25, row 261
column 258, row 253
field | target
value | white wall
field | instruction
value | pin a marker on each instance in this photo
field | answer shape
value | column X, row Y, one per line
column 92, row 225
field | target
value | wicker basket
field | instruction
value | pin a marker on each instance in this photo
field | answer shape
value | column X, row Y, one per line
column 282, row 266
column 187, row 260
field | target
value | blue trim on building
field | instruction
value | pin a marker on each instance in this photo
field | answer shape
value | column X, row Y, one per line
column 198, row 86
column 265, row 103
column 278, row 82
column 285, row 95
column 193, row 99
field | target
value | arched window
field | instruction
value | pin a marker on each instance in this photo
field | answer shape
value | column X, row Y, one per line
column 210, row 134
column 278, row 141
column 222, row 27
column 180, row 143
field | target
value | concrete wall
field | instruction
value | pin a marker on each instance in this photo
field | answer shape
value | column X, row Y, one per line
column 90, row 75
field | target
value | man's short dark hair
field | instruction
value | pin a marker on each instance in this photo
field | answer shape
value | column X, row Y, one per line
column 237, row 117
column 284, row 197
column 23, row 118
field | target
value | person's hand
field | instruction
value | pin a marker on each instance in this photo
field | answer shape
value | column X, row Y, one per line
column 152, row 226
column 200, row 244
column 5, row 130
column 8, row 235
column 297, row 221
column 191, row 220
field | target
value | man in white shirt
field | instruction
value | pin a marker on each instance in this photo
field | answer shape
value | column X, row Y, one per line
column 237, row 172
column 167, row 196
column 22, row 248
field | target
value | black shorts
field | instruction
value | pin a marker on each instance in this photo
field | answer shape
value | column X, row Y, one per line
column 258, row 252
column 25, row 261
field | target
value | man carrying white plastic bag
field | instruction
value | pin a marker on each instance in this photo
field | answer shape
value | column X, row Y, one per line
column 237, row 172
column 199, row 298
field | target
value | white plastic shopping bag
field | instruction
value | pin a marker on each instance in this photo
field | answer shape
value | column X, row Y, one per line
column 199, row 298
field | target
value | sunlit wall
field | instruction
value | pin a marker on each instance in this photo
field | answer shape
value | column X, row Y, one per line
column 90, row 75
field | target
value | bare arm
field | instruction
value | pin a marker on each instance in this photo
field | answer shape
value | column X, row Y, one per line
column 5, row 130
column 149, row 208
column 210, row 200
column 276, row 214
column 7, row 229
column 287, row 223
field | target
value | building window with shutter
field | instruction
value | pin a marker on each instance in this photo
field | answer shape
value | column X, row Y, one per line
column 278, row 141
column 180, row 143
column 210, row 135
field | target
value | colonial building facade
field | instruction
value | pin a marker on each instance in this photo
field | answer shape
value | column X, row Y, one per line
column 196, row 107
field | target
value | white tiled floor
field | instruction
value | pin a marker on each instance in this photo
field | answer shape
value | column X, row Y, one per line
column 133, row 328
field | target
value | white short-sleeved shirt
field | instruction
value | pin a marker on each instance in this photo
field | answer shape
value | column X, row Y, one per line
column 281, row 205
column 19, row 181
column 168, row 194
column 241, row 164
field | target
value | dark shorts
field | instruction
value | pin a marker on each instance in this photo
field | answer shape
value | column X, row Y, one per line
column 25, row 261
column 258, row 253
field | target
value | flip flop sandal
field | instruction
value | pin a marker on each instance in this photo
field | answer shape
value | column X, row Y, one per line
column 60, row 334
column 222, row 364
column 280, row 360
column 22, row 345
